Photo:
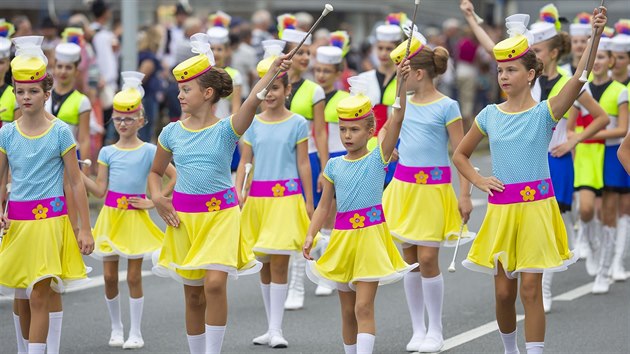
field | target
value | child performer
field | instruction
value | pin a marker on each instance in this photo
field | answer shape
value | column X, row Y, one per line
column 123, row 227
column 308, row 100
column 579, row 31
column 423, row 177
column 275, row 218
column 8, row 106
column 202, row 244
column 523, row 231
column 37, row 207
column 361, row 254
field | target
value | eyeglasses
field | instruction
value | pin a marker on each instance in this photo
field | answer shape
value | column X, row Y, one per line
column 126, row 120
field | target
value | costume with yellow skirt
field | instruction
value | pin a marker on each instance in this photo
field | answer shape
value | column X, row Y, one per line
column 361, row 248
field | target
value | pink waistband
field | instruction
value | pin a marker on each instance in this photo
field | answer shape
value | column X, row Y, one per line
column 38, row 209
column 121, row 200
column 523, row 192
column 280, row 188
column 204, row 203
column 423, row 175
column 361, row 218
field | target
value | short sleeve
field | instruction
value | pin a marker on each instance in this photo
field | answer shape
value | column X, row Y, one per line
column 250, row 135
column 546, row 111
column 103, row 156
column 329, row 171
column 227, row 129
column 623, row 97
column 301, row 131
column 66, row 139
column 452, row 113
column 3, row 138
column 319, row 95
column 85, row 105
column 378, row 155
column 164, row 138
column 481, row 121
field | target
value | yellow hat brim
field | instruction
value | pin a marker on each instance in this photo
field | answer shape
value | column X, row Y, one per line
column 191, row 68
column 28, row 69
column 354, row 107
column 511, row 48
column 127, row 101
column 397, row 55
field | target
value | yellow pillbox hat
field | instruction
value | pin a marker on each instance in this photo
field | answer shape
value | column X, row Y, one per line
column 417, row 43
column 357, row 106
column 29, row 64
column 197, row 65
column 129, row 99
column 273, row 49
column 518, row 44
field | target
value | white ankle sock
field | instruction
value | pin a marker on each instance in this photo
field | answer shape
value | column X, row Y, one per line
column 349, row 348
column 415, row 302
column 36, row 348
column 278, row 294
column 433, row 289
column 509, row 342
column 53, row 341
column 264, row 289
column 197, row 343
column 135, row 309
column 214, row 339
column 365, row 343
column 113, row 305
column 22, row 346
column 535, row 347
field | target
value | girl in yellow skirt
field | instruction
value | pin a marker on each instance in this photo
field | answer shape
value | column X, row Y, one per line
column 202, row 245
column 275, row 217
column 523, row 230
column 361, row 254
column 423, row 177
column 40, row 229
column 124, row 228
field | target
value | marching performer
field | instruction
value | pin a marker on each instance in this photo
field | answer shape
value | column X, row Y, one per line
column 520, row 195
column 361, row 254
column 123, row 227
column 275, row 217
column 8, row 107
column 423, row 177
column 202, row 244
column 579, row 31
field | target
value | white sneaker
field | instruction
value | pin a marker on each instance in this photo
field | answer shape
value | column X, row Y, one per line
column 295, row 300
column 261, row 340
column 276, row 340
column 414, row 343
column 618, row 272
column 431, row 345
column 601, row 285
column 323, row 290
column 592, row 262
column 133, row 343
column 116, row 339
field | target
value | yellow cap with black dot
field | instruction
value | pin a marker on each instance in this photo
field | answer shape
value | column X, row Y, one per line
column 29, row 64
column 357, row 106
column 129, row 99
column 197, row 65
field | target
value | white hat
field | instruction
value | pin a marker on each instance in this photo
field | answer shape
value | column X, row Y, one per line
column 580, row 29
column 621, row 43
column 218, row 35
column 605, row 44
column 329, row 55
column 68, row 53
column 273, row 47
column 543, row 31
column 5, row 48
column 295, row 36
column 388, row 33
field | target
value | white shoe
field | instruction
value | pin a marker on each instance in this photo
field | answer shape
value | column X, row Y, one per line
column 601, row 284
column 323, row 290
column 261, row 340
column 276, row 340
column 133, row 343
column 295, row 300
column 414, row 343
column 592, row 262
column 618, row 272
column 116, row 339
column 431, row 345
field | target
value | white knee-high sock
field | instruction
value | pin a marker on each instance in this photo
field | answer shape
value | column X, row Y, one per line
column 365, row 343
column 36, row 348
column 415, row 303
column 197, row 343
column 22, row 345
column 278, row 295
column 265, row 290
column 433, row 289
column 214, row 339
column 113, row 306
column 135, row 308
column 535, row 347
column 349, row 348
column 53, row 341
column 509, row 342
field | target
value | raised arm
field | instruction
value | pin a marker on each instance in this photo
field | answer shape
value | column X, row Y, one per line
column 390, row 137
column 468, row 9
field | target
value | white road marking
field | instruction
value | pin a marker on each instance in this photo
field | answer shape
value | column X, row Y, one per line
column 479, row 202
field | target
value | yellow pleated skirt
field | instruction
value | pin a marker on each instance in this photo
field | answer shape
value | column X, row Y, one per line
column 423, row 214
column 367, row 254
column 527, row 237
column 274, row 225
column 204, row 241
column 35, row 250
column 126, row 233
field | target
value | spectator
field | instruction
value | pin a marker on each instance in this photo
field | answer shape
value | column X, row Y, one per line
column 244, row 60
column 261, row 20
column 49, row 30
column 466, row 75
column 22, row 26
column 304, row 21
column 175, row 34
column 148, row 64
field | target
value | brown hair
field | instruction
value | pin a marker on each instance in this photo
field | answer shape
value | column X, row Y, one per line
column 531, row 62
column 217, row 79
column 433, row 61
column 562, row 42
column 47, row 83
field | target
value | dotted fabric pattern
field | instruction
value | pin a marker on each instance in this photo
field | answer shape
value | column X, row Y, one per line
column 36, row 162
column 275, row 147
column 202, row 157
column 359, row 183
column 518, row 142
column 128, row 169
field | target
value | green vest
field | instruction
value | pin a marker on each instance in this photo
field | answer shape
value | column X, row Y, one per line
column 609, row 98
column 7, row 104
column 389, row 96
column 69, row 110
column 555, row 90
column 232, row 72
column 302, row 102
column 330, row 112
